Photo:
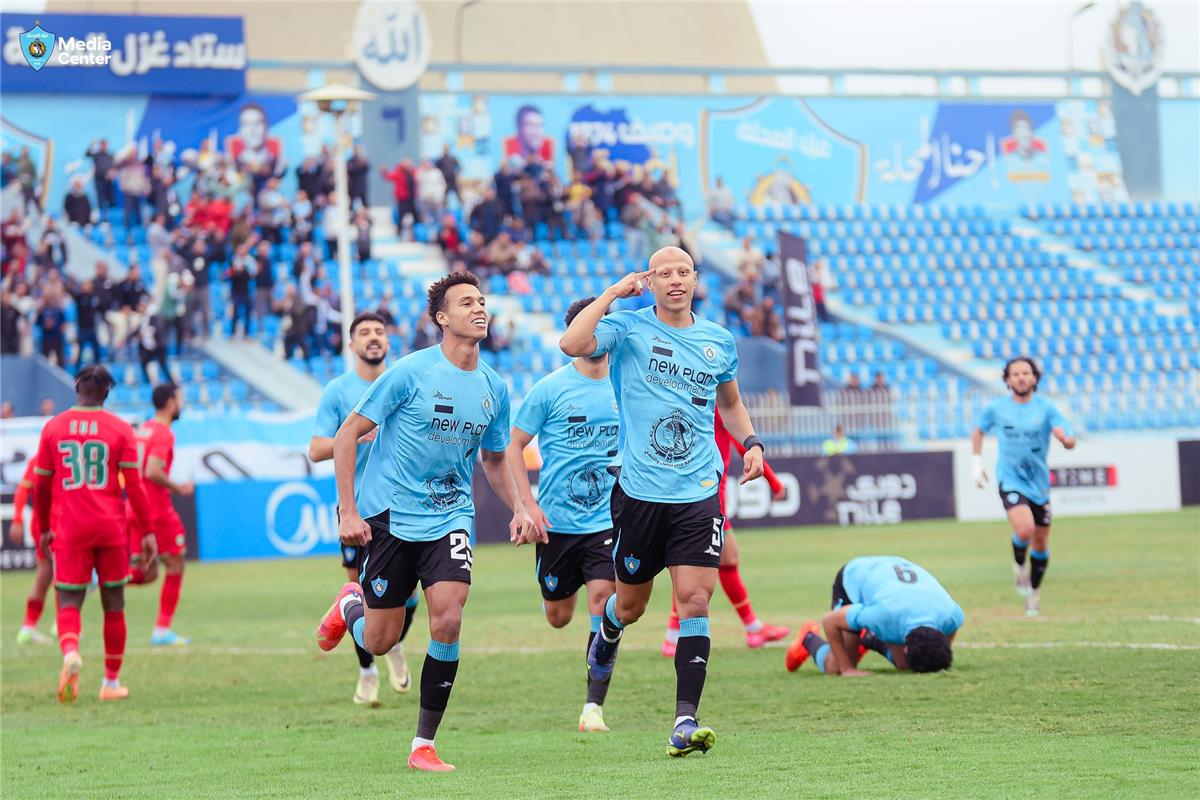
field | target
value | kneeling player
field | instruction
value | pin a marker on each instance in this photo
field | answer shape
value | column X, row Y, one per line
column 573, row 413
column 887, row 604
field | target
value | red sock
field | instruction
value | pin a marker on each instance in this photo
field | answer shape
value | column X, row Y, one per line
column 735, row 590
column 136, row 576
column 673, row 620
column 169, row 599
column 33, row 612
column 68, row 629
column 114, row 643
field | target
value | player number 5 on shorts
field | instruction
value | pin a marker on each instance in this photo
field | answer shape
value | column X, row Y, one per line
column 460, row 548
column 718, row 537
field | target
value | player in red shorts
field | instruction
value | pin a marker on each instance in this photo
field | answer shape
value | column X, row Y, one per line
column 156, row 451
column 758, row 633
column 45, row 567
column 81, row 453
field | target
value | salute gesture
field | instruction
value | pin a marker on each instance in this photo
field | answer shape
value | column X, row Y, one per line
column 632, row 285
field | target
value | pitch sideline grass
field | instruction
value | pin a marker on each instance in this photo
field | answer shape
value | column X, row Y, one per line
column 1041, row 708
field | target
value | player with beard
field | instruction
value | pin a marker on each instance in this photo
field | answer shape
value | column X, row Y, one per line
column 1023, row 423
column 669, row 369
column 369, row 343
column 573, row 414
column 413, row 512
column 156, row 453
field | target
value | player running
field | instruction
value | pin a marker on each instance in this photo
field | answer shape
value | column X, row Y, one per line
column 369, row 343
column 758, row 633
column 36, row 602
column 156, row 452
column 435, row 409
column 573, row 413
column 887, row 604
column 669, row 367
column 80, row 455
column 1023, row 423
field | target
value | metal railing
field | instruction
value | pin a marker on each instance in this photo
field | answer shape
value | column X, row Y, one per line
column 867, row 417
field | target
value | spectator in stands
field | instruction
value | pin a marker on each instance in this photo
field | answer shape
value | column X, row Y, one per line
column 488, row 216
column 499, row 336
column 662, row 193
column 306, row 264
column 819, row 279
column 579, row 151
column 55, row 242
column 6, row 410
column 10, row 324
column 12, row 233
column 362, row 234
column 739, row 304
column 302, row 218
column 264, row 282
column 135, row 187
column 27, row 176
column 404, row 191
column 357, row 170
column 152, row 345
column 326, row 330
column 771, row 275
column 764, row 320
column 173, row 308
column 272, row 211
column 200, row 298
column 240, row 274
column 47, row 408
column 427, row 333
column 504, row 182
column 386, row 304
column 749, row 260
column 635, row 220
column 164, row 199
column 853, row 384
column 309, row 178
column 106, row 297
column 450, row 169
column 721, row 204
column 103, row 173
column 130, row 299
column 474, row 254
column 158, row 238
column 332, row 223
column 87, row 312
column 532, row 194
column 50, row 321
column 838, row 443
column 76, row 205
column 880, row 386
column 448, row 238
column 296, row 323
column 431, row 192
column 502, row 253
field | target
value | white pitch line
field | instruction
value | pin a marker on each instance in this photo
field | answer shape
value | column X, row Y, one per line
column 1162, row 618
column 1080, row 645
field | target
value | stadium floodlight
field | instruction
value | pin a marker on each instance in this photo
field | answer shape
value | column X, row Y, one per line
column 340, row 100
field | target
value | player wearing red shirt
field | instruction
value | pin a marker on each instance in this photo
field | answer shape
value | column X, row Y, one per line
column 80, row 456
column 45, row 568
column 757, row 632
column 156, row 452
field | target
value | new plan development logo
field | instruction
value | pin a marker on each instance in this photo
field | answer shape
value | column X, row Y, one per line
column 36, row 45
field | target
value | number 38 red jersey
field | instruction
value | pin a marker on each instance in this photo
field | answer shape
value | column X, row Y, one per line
column 82, row 452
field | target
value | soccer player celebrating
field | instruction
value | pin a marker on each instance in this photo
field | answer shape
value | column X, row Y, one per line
column 45, row 568
column 669, row 368
column 1023, row 423
column 573, row 413
column 369, row 343
column 435, row 409
column 80, row 455
column 156, row 446
column 758, row 633
column 887, row 604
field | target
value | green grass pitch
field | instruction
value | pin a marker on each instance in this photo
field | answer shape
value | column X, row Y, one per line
column 1098, row 698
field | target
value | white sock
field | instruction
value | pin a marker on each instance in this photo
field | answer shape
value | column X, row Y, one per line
column 419, row 742
column 589, row 706
column 158, row 631
column 754, row 627
column 681, row 719
column 673, row 635
column 112, row 684
column 29, row 628
column 345, row 600
column 371, row 670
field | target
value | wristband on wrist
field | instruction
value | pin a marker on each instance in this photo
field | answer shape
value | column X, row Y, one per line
column 754, row 441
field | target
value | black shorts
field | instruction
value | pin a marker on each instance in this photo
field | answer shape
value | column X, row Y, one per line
column 1041, row 511
column 391, row 567
column 570, row 560
column 350, row 556
column 840, row 598
column 651, row 536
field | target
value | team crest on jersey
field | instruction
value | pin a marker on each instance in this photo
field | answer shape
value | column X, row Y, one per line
column 672, row 438
column 487, row 404
column 586, row 487
column 379, row 586
column 551, row 582
column 710, row 352
column 632, row 564
column 443, row 491
column 1013, row 497
column 349, row 552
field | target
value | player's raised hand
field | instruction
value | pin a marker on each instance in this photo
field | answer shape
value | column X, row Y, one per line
column 16, row 531
column 149, row 550
column 631, row 285
column 752, row 465
column 354, row 530
column 978, row 473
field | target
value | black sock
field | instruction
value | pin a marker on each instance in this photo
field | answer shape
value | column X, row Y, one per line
column 873, row 642
column 691, row 665
column 353, row 612
column 1020, row 548
column 611, row 632
column 596, row 690
column 1037, row 567
column 365, row 659
column 813, row 643
column 437, row 679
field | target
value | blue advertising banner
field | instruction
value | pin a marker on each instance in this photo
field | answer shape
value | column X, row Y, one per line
column 110, row 54
column 267, row 519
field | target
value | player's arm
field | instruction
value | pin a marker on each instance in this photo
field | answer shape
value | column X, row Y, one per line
column 141, row 509
column 835, row 624
column 352, row 528
column 320, row 448
column 16, row 531
column 978, row 473
column 522, row 528
column 737, row 422
column 768, row 473
column 515, row 453
column 580, row 337
column 156, row 473
column 1068, row 441
column 43, row 474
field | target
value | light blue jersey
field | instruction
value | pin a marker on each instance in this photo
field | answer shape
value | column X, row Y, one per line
column 891, row 596
column 1023, row 431
column 665, row 381
column 575, row 420
column 433, row 417
column 340, row 397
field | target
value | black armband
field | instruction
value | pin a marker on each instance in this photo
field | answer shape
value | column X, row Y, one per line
column 754, row 441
